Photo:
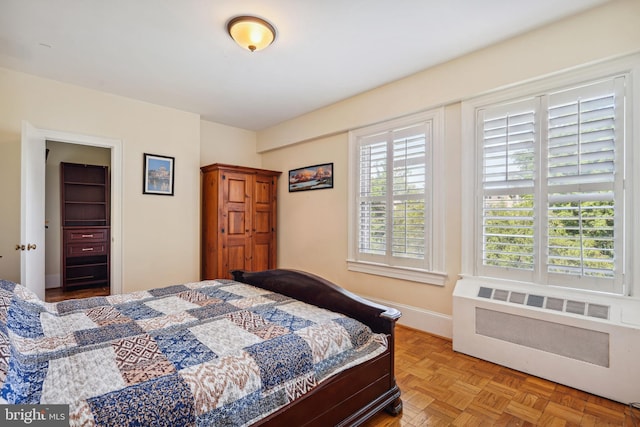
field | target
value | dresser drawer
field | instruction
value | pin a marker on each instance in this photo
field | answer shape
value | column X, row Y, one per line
column 89, row 235
column 86, row 249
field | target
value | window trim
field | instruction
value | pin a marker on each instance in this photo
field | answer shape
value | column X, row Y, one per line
column 628, row 66
column 434, row 247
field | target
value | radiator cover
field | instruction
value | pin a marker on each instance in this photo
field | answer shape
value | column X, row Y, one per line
column 576, row 343
column 586, row 341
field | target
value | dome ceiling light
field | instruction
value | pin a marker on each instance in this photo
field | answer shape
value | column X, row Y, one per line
column 251, row 33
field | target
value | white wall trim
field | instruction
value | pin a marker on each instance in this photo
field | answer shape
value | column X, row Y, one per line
column 403, row 273
column 418, row 318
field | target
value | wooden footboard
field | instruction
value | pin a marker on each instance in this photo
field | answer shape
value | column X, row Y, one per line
column 355, row 395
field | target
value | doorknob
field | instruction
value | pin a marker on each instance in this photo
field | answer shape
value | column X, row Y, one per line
column 28, row 247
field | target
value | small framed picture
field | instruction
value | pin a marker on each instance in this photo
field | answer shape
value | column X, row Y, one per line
column 314, row 177
column 158, row 175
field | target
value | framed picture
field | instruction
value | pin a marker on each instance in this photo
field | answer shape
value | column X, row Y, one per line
column 158, row 175
column 311, row 177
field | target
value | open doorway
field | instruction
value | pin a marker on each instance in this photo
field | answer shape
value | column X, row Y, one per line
column 32, row 201
column 57, row 153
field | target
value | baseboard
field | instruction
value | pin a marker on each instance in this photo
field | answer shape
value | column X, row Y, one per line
column 421, row 319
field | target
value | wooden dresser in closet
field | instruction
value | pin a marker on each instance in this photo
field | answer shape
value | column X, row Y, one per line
column 84, row 203
column 238, row 219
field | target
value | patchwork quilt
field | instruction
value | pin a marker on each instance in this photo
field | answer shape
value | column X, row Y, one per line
column 218, row 353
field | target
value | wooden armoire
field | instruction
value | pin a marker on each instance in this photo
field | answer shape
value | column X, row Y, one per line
column 238, row 219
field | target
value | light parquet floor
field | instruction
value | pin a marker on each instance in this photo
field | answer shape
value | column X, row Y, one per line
column 443, row 388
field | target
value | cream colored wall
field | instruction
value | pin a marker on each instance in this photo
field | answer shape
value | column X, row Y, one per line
column 9, row 206
column 313, row 225
column 229, row 145
column 70, row 153
column 160, row 234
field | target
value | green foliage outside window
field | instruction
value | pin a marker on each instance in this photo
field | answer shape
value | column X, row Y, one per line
column 580, row 235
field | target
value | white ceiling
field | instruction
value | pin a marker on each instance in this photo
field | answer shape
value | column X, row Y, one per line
column 177, row 52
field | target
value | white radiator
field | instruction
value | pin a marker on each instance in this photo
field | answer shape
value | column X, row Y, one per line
column 586, row 341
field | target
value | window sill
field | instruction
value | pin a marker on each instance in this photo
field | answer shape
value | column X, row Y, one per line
column 403, row 273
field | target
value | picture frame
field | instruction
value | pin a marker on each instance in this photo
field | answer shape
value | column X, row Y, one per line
column 315, row 177
column 158, row 175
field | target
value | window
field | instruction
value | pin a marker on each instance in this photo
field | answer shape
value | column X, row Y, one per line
column 392, row 217
column 552, row 199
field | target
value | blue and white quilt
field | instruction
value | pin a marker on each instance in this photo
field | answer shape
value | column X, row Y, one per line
column 218, row 353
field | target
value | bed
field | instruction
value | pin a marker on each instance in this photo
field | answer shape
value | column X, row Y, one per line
column 277, row 347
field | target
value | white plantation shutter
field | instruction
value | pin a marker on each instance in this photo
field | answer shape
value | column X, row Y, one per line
column 584, row 184
column 393, row 195
column 396, row 198
column 373, row 196
column 508, row 139
column 409, row 179
column 552, row 188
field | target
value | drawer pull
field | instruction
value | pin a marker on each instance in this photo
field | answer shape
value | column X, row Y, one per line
column 87, row 249
column 87, row 235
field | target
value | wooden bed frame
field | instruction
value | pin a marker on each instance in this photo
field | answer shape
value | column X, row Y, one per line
column 355, row 395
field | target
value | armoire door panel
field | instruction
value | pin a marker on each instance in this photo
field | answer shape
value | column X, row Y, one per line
column 262, row 222
column 261, row 257
column 237, row 190
column 236, row 259
column 263, row 192
column 236, row 223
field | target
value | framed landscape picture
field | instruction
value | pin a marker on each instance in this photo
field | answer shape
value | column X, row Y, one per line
column 158, row 175
column 315, row 177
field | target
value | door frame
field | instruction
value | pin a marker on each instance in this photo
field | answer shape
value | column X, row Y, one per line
column 115, row 146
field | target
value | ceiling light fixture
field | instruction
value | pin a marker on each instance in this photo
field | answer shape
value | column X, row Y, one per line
column 251, row 33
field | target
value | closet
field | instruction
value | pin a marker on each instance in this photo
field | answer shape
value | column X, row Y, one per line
column 84, row 209
column 238, row 219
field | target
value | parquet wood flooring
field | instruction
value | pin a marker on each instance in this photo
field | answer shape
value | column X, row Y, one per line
column 443, row 388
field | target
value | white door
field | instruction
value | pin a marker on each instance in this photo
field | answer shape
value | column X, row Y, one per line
column 32, row 226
